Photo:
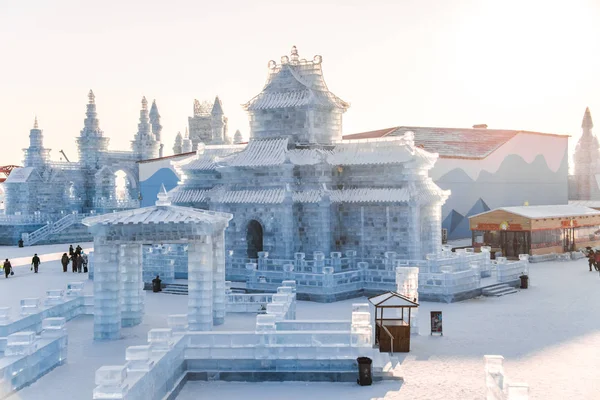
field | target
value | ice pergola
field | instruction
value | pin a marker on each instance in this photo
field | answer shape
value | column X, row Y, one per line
column 118, row 284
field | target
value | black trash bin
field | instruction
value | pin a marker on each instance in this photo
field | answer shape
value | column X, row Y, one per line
column 524, row 281
column 20, row 242
column 364, row 371
column 156, row 284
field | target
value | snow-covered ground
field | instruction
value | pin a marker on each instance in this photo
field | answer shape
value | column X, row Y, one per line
column 549, row 335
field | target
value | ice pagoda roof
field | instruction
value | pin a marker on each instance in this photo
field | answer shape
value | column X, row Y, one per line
column 207, row 156
column 271, row 152
column 221, row 194
column 476, row 143
column 392, row 299
column 547, row 211
column 162, row 213
column 20, row 175
column 295, row 82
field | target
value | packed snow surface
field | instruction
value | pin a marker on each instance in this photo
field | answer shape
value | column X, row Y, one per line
column 548, row 334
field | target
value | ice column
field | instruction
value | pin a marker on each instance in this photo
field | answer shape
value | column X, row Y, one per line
column 218, row 267
column 494, row 377
column 107, row 304
column 414, row 232
column 407, row 284
column 200, row 285
column 132, row 286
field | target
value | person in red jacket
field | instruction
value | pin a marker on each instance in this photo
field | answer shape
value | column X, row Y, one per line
column 597, row 259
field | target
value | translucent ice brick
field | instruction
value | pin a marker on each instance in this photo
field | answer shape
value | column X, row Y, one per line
column 111, row 375
column 360, row 307
column 53, row 323
column 18, row 338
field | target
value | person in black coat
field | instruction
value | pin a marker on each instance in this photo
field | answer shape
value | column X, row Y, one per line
column 156, row 284
column 71, row 251
column 78, row 250
column 35, row 261
column 7, row 267
column 74, row 262
column 64, row 261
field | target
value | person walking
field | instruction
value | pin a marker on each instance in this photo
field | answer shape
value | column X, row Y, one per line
column 35, row 261
column 79, row 263
column 64, row 261
column 596, row 258
column 7, row 267
column 591, row 258
column 74, row 262
column 71, row 251
column 78, row 250
column 84, row 258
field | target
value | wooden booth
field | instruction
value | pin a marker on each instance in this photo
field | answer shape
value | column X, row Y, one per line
column 536, row 229
column 392, row 332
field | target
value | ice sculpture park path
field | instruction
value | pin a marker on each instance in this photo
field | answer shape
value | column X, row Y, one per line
column 548, row 334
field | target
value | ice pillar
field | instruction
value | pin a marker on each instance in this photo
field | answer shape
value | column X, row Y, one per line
column 200, row 285
column 407, row 284
column 132, row 286
column 414, row 232
column 218, row 267
column 107, row 291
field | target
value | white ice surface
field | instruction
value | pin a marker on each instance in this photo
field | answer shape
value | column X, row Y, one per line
column 548, row 334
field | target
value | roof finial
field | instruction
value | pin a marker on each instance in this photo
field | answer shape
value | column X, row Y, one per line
column 144, row 103
column 163, row 197
column 294, row 55
column 35, row 123
column 187, row 135
column 91, row 97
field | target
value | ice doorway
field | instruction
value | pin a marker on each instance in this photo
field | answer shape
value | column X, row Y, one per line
column 254, row 238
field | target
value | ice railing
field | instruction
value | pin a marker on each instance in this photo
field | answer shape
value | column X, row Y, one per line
column 27, row 356
column 153, row 370
column 497, row 387
column 26, row 219
column 55, row 227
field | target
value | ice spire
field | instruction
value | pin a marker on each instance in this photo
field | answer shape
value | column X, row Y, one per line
column 163, row 197
column 91, row 97
column 237, row 137
column 217, row 107
column 187, row 143
column 145, row 144
column 587, row 123
column 35, row 123
column 177, row 149
column 156, row 126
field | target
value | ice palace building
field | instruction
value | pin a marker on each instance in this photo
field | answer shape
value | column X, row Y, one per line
column 56, row 195
column 297, row 187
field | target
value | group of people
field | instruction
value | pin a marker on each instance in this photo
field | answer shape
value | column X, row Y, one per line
column 593, row 258
column 78, row 259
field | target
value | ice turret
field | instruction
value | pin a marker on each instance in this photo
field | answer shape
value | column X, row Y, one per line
column 187, row 143
column 156, row 126
column 295, row 102
column 218, row 123
column 586, row 159
column 177, row 148
column 237, row 137
column 145, row 145
column 36, row 155
column 91, row 142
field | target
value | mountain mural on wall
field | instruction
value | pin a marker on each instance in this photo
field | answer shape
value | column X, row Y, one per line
column 515, row 183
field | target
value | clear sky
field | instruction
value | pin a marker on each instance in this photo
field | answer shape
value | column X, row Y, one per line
column 523, row 64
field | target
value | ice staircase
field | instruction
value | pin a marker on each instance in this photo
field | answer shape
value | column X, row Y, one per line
column 175, row 288
column 52, row 228
column 498, row 290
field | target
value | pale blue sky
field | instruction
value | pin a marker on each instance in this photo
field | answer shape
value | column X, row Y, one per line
column 531, row 65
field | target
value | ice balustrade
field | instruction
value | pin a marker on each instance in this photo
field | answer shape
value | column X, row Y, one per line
column 27, row 356
column 51, row 228
column 33, row 311
column 497, row 387
column 154, row 370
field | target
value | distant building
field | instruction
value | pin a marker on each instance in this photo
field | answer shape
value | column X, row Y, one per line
column 489, row 168
column 585, row 181
column 208, row 125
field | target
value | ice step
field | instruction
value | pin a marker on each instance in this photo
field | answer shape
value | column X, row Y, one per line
column 498, row 290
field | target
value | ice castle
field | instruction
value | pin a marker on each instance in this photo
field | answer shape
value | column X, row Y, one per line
column 298, row 189
column 46, row 191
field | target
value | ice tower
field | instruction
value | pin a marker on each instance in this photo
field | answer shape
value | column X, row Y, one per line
column 296, row 102
column 209, row 124
column 177, row 147
column 586, row 160
column 145, row 144
column 36, row 155
column 156, row 126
